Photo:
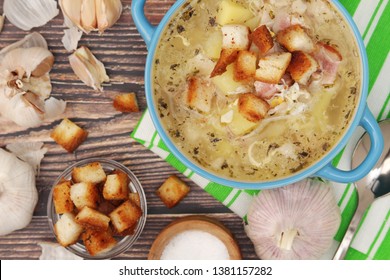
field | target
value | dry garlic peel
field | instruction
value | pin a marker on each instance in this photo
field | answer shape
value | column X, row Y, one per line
column 297, row 221
column 88, row 68
column 31, row 40
column 29, row 14
column 18, row 194
column 92, row 15
column 71, row 38
column 30, row 152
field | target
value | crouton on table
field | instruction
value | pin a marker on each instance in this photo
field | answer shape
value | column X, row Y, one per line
column 172, row 191
column 68, row 135
column 126, row 103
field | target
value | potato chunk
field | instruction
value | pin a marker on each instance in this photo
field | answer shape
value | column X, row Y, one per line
column 231, row 12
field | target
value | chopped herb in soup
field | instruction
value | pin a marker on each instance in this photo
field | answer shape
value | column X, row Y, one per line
column 256, row 90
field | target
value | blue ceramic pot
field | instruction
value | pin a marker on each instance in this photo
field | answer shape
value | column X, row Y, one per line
column 322, row 168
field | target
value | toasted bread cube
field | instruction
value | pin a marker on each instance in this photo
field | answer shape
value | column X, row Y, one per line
column 272, row 67
column 134, row 197
column 262, row 38
column 67, row 230
column 252, row 107
column 235, row 36
column 125, row 216
column 302, row 66
column 98, row 242
column 227, row 57
column 116, row 187
column 295, row 38
column 126, row 103
column 69, row 135
column 61, row 198
column 90, row 218
column 84, row 194
column 199, row 94
column 245, row 66
column 172, row 191
column 90, row 173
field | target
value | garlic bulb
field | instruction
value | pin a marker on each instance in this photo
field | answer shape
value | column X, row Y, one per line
column 31, row 153
column 29, row 14
column 2, row 17
column 25, row 82
column 297, row 221
column 92, row 15
column 88, row 68
column 18, row 194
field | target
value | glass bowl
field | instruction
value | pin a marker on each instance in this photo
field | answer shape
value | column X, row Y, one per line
column 124, row 242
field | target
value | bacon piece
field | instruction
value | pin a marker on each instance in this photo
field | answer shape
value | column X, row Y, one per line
column 329, row 59
column 265, row 90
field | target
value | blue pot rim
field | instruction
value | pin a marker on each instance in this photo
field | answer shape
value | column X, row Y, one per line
column 305, row 173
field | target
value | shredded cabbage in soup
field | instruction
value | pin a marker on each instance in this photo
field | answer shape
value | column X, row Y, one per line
column 256, row 90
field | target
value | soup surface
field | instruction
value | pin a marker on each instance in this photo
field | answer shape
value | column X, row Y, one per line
column 256, row 90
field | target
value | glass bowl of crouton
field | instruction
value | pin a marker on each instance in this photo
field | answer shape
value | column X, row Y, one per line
column 97, row 208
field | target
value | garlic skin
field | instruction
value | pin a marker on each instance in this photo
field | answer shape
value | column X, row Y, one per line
column 88, row 68
column 54, row 251
column 29, row 14
column 71, row 38
column 295, row 222
column 30, row 152
column 18, row 194
column 25, row 82
column 92, row 15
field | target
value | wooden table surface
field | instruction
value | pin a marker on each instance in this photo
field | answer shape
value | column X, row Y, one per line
column 123, row 52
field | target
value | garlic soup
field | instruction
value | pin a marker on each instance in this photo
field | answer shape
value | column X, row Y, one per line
column 256, row 90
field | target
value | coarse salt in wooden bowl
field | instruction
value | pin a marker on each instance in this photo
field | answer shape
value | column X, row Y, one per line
column 195, row 237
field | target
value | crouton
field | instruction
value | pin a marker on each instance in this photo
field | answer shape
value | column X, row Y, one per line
column 90, row 173
column 116, row 187
column 302, row 66
column 67, row 230
column 107, row 206
column 272, row 67
column 245, row 66
column 68, row 135
column 199, row 94
column 98, row 242
column 252, row 107
column 61, row 198
column 235, row 36
column 227, row 57
column 262, row 38
column 172, row 191
column 84, row 194
column 90, row 218
column 295, row 38
column 134, row 197
column 125, row 216
column 126, row 103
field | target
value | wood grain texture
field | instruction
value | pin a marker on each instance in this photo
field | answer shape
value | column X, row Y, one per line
column 123, row 52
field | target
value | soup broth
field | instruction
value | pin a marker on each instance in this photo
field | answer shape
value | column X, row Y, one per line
column 235, row 124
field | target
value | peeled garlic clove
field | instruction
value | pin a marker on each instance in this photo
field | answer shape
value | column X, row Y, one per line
column 34, row 61
column 88, row 68
column 88, row 15
column 29, row 14
column 297, row 221
column 107, row 12
column 18, row 194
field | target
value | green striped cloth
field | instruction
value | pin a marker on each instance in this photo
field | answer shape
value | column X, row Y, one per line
column 372, row 240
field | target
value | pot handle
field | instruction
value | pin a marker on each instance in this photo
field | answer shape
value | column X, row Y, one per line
column 145, row 28
column 369, row 123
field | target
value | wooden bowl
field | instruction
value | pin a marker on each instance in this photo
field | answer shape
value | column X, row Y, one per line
column 195, row 222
